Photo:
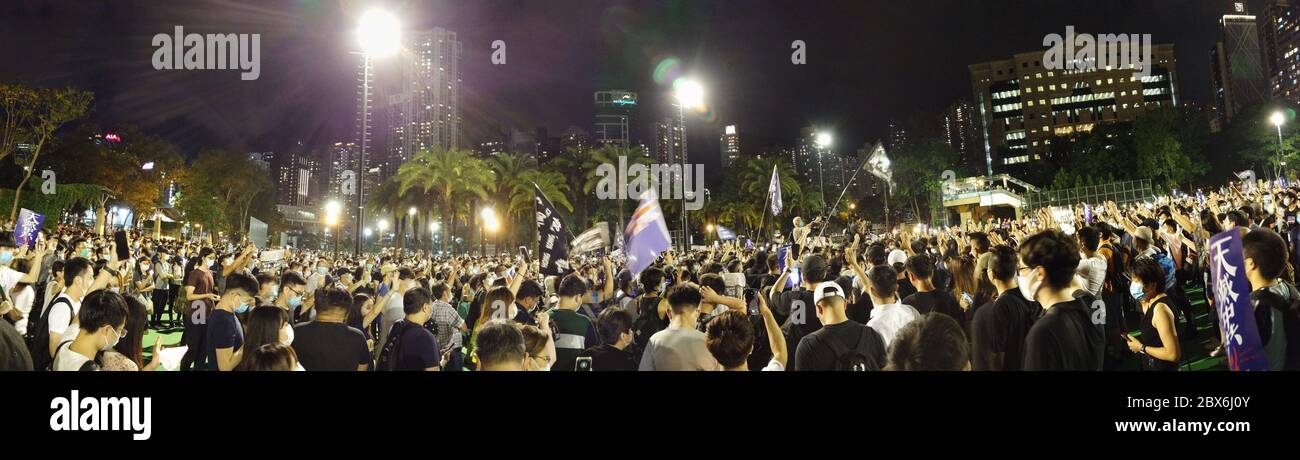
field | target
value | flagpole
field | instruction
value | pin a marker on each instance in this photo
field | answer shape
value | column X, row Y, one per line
column 763, row 220
column 842, row 192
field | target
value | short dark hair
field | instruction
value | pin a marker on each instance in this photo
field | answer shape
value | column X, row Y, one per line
column 877, row 255
column 75, row 267
column 814, row 269
column 1003, row 262
column 332, row 298
column 933, row 342
column 102, row 308
column 292, row 279
column 920, row 266
column 884, row 280
column 438, row 289
column 651, row 278
column 714, row 281
column 1149, row 271
column 499, row 341
column 415, row 299
column 980, row 241
column 572, row 285
column 405, row 273
column 730, row 338
column 1238, row 218
column 243, row 282
column 273, row 356
column 683, row 296
column 1267, row 249
column 612, row 322
column 529, row 288
column 1089, row 237
column 1055, row 252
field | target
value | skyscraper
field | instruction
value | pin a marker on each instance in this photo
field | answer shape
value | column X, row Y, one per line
column 961, row 132
column 897, row 135
column 427, row 113
column 730, row 146
column 615, row 118
column 668, row 141
column 1237, row 62
column 293, row 176
column 1281, row 31
column 1022, row 105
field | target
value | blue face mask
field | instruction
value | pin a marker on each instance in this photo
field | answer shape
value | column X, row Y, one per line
column 242, row 308
column 1136, row 291
column 322, row 270
column 294, row 301
column 6, row 257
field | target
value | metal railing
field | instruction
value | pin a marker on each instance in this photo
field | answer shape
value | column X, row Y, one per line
column 1119, row 192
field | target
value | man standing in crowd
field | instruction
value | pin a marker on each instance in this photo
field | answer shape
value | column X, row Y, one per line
column 499, row 346
column 411, row 347
column 225, row 340
column 840, row 344
column 395, row 310
column 1276, row 316
column 448, row 325
column 327, row 343
column 1070, row 336
column 998, row 329
column 680, row 347
column 102, row 323
column 575, row 331
column 927, row 298
column 616, row 325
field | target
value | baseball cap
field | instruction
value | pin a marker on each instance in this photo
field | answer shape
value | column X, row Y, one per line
column 1143, row 233
column 827, row 289
column 897, row 256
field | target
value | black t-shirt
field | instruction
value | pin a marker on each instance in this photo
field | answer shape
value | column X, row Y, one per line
column 798, row 316
column 905, row 288
column 608, row 358
column 814, row 354
column 1001, row 327
column 224, row 331
column 940, row 301
column 860, row 311
column 416, row 350
column 1070, row 336
column 323, row 346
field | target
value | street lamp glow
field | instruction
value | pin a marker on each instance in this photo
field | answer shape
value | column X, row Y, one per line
column 383, row 225
column 487, row 213
column 147, row 166
column 824, row 139
column 411, row 212
column 433, row 227
column 709, row 228
column 689, row 93
column 379, row 33
column 853, row 206
column 331, row 220
column 1278, row 118
column 332, row 208
column 366, row 232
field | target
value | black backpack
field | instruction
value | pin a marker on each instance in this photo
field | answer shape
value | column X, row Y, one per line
column 388, row 355
column 855, row 359
column 647, row 322
column 38, row 334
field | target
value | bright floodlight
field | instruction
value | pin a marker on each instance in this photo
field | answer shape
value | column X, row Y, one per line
column 853, row 206
column 366, row 232
column 1278, row 118
column 709, row 228
column 332, row 208
column 689, row 93
column 433, row 227
column 411, row 212
column 492, row 224
column 331, row 220
column 383, row 225
column 824, row 139
column 147, row 166
column 379, row 33
column 487, row 214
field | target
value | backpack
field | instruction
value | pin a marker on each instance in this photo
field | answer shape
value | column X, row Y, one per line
column 855, row 359
column 1166, row 264
column 1289, row 308
column 648, row 321
column 388, row 355
column 38, row 334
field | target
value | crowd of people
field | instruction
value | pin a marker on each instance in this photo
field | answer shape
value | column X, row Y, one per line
column 1038, row 292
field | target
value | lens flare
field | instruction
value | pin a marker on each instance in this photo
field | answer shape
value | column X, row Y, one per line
column 667, row 71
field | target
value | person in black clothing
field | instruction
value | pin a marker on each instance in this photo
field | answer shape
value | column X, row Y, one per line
column 998, row 329
column 1158, row 344
column 529, row 302
column 1274, row 300
column 615, row 326
column 860, row 309
column 927, row 297
column 793, row 307
column 410, row 346
column 327, row 343
column 933, row 342
column 1070, row 336
column 841, row 344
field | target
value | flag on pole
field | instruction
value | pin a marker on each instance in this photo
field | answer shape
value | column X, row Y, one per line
column 725, row 233
column 597, row 237
column 551, row 247
column 647, row 234
column 878, row 164
column 774, row 189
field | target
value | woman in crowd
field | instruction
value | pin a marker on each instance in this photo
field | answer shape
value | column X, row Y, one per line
column 539, row 346
column 126, row 355
column 269, row 325
column 1157, row 345
column 162, row 299
column 270, row 357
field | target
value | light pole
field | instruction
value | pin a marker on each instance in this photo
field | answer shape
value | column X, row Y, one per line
column 383, row 225
column 822, row 140
column 379, row 35
column 365, row 234
column 433, row 232
column 332, row 209
column 1278, row 120
column 410, row 217
column 687, row 92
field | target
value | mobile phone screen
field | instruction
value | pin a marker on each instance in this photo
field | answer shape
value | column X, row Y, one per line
column 583, row 363
column 751, row 301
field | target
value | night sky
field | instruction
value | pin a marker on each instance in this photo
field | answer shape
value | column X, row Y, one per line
column 868, row 61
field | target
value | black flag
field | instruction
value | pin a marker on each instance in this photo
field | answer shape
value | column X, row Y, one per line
column 552, row 245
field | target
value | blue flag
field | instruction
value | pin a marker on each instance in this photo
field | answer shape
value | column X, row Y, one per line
column 1232, row 302
column 647, row 234
column 774, row 189
column 28, row 227
column 725, row 233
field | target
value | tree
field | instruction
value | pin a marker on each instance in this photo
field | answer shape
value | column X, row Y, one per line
column 1166, row 145
column 447, row 174
column 917, row 167
column 46, row 112
column 231, row 181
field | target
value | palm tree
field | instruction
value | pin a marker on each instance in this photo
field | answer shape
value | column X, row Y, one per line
column 447, row 175
column 756, row 175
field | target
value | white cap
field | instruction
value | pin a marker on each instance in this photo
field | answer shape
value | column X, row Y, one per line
column 827, row 289
column 897, row 256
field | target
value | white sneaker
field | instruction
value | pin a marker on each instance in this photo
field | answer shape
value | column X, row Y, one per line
column 1217, row 351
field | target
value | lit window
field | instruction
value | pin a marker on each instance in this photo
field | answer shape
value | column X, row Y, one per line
column 1110, row 80
column 1031, row 103
column 1098, row 82
column 1053, row 87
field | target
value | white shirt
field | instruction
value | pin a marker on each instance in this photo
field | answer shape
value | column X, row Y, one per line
column 889, row 319
column 1093, row 271
column 392, row 313
column 23, row 302
column 68, row 360
column 774, row 365
column 60, row 318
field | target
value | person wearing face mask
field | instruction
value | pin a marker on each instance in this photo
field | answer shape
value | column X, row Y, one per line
column 998, row 329
column 267, row 325
column 615, row 354
column 1158, row 346
column 293, row 291
column 201, row 297
column 317, row 278
column 448, row 325
column 411, row 347
column 127, row 354
column 225, row 339
column 1070, row 336
column 394, row 311
column 102, row 323
column 162, row 269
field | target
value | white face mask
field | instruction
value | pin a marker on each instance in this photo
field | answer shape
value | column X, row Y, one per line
column 286, row 335
column 1029, row 285
column 110, row 345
